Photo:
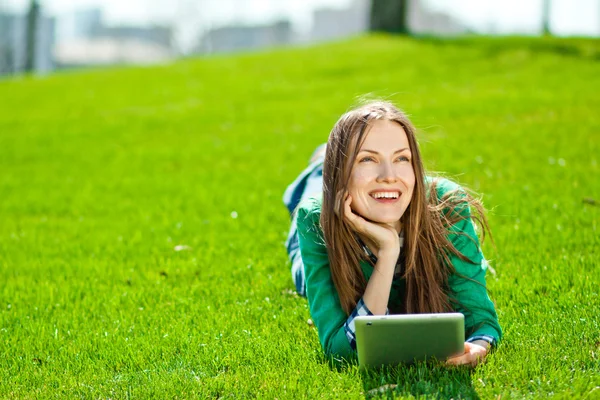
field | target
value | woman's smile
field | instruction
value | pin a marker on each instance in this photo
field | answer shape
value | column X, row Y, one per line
column 386, row 197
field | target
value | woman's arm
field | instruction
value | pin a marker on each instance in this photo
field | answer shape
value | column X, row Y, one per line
column 377, row 292
column 335, row 328
column 468, row 288
column 323, row 300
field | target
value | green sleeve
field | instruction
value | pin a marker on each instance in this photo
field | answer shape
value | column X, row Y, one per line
column 467, row 284
column 325, row 308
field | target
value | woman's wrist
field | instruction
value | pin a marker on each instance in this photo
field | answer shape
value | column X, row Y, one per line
column 389, row 255
column 482, row 343
column 386, row 262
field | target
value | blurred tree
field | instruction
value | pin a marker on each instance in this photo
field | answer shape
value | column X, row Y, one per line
column 30, row 37
column 546, row 17
column 389, row 16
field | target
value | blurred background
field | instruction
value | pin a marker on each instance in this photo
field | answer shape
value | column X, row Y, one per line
column 48, row 35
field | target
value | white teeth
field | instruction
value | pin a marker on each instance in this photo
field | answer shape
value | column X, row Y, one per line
column 386, row 195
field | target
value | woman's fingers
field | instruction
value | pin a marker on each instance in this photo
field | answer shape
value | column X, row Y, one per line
column 473, row 355
column 460, row 360
column 352, row 218
column 382, row 235
column 356, row 221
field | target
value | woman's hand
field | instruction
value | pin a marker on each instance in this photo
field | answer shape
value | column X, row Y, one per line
column 473, row 355
column 384, row 236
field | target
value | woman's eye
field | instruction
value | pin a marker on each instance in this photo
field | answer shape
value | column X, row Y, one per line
column 366, row 159
column 403, row 158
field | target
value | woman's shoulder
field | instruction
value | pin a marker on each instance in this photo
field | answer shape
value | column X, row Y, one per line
column 454, row 198
column 443, row 185
column 308, row 214
column 308, row 221
column 310, row 206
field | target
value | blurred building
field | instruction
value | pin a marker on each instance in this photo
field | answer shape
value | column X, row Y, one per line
column 79, row 24
column 86, row 41
column 421, row 20
column 157, row 35
column 109, row 51
column 334, row 23
column 245, row 37
column 13, row 44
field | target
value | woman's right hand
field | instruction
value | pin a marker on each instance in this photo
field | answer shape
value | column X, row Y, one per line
column 384, row 236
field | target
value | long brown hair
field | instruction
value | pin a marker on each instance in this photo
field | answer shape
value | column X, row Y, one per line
column 425, row 222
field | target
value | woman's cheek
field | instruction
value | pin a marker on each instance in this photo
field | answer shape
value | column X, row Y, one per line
column 358, row 202
column 362, row 177
column 411, row 172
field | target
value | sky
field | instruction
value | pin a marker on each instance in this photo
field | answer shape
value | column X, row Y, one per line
column 191, row 17
column 568, row 17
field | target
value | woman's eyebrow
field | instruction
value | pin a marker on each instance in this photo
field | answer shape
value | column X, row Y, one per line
column 376, row 152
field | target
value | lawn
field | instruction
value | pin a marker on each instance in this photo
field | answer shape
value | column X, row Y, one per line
column 142, row 228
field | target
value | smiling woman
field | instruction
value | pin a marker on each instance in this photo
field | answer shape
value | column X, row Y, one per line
column 371, row 234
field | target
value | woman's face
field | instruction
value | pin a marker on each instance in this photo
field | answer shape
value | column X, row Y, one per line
column 382, row 178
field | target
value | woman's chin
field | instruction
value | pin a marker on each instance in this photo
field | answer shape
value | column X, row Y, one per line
column 385, row 220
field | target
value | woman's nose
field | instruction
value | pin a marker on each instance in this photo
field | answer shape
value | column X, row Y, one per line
column 386, row 173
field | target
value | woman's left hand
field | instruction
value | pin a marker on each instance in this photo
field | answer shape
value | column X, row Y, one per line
column 473, row 355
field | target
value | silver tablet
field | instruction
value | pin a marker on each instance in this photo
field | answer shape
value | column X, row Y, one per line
column 394, row 339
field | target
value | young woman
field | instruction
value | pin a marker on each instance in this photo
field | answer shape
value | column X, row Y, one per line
column 371, row 234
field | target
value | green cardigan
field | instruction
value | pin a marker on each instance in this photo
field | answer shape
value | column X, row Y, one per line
column 326, row 310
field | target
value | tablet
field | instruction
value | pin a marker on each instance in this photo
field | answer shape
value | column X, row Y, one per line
column 395, row 339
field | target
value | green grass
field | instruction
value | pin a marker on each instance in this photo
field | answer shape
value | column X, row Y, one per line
column 103, row 173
